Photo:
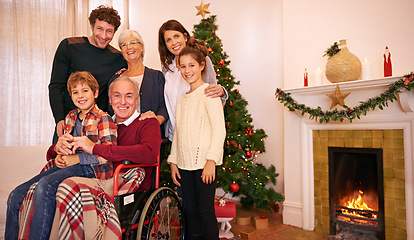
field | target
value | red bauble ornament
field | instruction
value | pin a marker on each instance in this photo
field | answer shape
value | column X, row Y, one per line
column 213, row 32
column 248, row 154
column 210, row 50
column 231, row 104
column 228, row 144
column 250, row 134
column 227, row 125
column 221, row 62
column 237, row 91
column 234, row 187
column 248, row 129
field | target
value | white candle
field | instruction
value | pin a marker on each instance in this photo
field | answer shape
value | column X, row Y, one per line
column 317, row 78
column 366, row 70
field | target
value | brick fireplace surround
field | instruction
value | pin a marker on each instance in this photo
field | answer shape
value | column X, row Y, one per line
column 306, row 155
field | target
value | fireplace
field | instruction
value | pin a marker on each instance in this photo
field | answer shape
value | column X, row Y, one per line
column 306, row 164
column 356, row 193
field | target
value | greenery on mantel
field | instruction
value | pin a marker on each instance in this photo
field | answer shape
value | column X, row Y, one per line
column 348, row 113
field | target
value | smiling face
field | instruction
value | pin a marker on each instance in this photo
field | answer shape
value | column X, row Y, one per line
column 175, row 41
column 123, row 98
column 131, row 49
column 83, row 97
column 102, row 34
column 191, row 70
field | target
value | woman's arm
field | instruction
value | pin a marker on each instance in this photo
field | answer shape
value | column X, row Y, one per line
column 214, row 89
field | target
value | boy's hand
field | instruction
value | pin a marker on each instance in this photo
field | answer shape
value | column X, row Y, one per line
column 63, row 146
column 214, row 90
column 60, row 163
column 59, row 127
column 209, row 172
column 71, row 160
column 83, row 143
column 175, row 174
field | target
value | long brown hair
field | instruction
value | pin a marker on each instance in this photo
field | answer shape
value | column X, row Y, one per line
column 166, row 56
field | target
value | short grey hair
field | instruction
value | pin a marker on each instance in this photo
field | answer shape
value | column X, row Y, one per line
column 128, row 33
column 126, row 79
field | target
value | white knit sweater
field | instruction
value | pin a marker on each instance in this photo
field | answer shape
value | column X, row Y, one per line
column 199, row 132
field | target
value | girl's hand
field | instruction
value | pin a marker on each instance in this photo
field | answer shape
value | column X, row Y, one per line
column 71, row 160
column 214, row 90
column 175, row 174
column 209, row 172
column 60, row 163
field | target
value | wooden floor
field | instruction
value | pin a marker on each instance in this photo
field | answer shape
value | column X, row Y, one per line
column 276, row 230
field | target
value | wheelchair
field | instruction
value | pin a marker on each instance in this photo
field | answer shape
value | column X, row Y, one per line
column 152, row 214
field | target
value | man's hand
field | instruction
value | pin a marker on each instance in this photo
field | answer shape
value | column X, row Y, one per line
column 71, row 160
column 175, row 174
column 63, row 146
column 59, row 128
column 214, row 90
column 83, row 143
column 209, row 172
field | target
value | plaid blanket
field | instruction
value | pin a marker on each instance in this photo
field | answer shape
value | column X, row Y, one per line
column 84, row 207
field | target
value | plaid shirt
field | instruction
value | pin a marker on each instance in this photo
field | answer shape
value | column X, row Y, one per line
column 99, row 127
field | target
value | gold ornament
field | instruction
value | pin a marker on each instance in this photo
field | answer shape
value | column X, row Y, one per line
column 338, row 97
column 203, row 9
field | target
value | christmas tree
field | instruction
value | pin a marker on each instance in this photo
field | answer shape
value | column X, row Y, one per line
column 240, row 173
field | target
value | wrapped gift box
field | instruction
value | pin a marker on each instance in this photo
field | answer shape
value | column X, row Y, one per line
column 228, row 210
column 248, row 235
column 261, row 222
column 243, row 220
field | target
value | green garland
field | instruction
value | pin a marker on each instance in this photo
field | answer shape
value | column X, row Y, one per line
column 349, row 114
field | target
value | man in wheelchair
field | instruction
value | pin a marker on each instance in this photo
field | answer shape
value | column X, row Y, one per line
column 79, row 198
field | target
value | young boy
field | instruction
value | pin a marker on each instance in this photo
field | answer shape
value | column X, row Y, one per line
column 87, row 120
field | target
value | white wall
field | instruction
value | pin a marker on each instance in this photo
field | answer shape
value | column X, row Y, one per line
column 252, row 37
column 310, row 27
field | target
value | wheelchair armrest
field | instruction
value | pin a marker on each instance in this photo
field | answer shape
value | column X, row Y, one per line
column 129, row 164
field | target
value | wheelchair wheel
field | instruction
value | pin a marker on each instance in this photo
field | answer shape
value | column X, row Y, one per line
column 162, row 217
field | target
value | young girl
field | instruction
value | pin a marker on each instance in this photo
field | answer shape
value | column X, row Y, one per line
column 197, row 146
column 172, row 38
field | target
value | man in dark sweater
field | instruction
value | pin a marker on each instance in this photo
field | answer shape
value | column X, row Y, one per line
column 138, row 140
column 92, row 54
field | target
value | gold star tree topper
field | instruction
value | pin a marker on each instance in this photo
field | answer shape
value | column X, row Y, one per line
column 203, row 9
column 338, row 97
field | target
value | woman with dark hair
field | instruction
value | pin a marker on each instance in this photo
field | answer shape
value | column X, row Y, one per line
column 172, row 38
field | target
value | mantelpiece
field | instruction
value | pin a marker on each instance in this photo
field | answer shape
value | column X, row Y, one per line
column 298, row 150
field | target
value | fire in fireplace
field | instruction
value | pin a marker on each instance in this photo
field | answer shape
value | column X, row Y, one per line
column 356, row 193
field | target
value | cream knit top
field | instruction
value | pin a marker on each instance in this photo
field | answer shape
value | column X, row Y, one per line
column 199, row 132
